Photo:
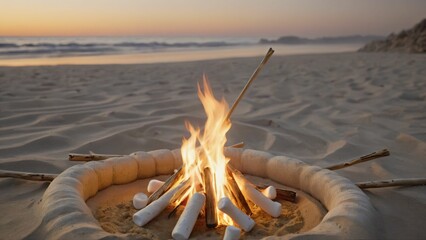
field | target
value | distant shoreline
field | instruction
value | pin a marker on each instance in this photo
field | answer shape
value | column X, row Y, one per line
column 58, row 47
column 176, row 54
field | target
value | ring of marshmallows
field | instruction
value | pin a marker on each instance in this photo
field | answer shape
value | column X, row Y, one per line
column 350, row 213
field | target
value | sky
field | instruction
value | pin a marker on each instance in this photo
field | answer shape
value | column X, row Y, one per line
column 215, row 18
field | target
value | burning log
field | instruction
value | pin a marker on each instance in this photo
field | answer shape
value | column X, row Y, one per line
column 140, row 200
column 180, row 197
column 154, row 185
column 210, row 208
column 182, row 192
column 186, row 222
column 242, row 220
column 167, row 184
column 173, row 212
column 232, row 233
column 148, row 213
column 236, row 193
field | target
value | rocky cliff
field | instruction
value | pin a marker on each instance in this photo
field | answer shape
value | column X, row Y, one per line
column 412, row 40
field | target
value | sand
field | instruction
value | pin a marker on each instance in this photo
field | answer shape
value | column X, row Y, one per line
column 322, row 109
column 115, row 215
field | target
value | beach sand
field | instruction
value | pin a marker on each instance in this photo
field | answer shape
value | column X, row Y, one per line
column 322, row 109
column 114, row 210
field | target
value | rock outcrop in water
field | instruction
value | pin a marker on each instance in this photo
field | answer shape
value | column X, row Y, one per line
column 353, row 39
column 412, row 41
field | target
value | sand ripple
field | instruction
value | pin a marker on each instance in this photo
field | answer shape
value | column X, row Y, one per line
column 319, row 108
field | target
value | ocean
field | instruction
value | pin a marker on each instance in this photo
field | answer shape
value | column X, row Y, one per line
column 27, row 51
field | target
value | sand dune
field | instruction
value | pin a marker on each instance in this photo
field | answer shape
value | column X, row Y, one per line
column 322, row 109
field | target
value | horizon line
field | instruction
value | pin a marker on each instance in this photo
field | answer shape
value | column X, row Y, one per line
column 190, row 36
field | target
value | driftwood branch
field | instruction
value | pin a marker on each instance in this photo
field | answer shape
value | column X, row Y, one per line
column 392, row 183
column 28, row 176
column 90, row 157
column 371, row 156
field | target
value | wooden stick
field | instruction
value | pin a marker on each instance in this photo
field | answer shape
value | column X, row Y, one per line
column 181, row 195
column 238, row 196
column 169, row 183
column 365, row 158
column 392, row 183
column 90, row 157
column 253, row 76
column 97, row 157
column 238, row 145
column 28, row 176
column 210, row 207
column 182, row 192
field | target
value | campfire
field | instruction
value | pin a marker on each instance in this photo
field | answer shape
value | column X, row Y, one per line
column 207, row 184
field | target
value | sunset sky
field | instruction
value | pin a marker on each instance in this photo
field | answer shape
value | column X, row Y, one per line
column 238, row 18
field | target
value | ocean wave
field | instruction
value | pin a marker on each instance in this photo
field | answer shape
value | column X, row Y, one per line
column 75, row 48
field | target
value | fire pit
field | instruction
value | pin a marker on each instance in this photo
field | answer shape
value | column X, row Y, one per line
column 208, row 179
column 350, row 214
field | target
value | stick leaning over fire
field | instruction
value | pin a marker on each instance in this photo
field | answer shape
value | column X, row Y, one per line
column 253, row 76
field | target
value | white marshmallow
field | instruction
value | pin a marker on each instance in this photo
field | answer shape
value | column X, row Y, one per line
column 186, row 222
column 232, row 233
column 154, row 185
column 148, row 213
column 270, row 207
column 244, row 222
column 140, row 200
column 270, row 192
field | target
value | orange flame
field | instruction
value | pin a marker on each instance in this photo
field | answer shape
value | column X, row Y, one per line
column 202, row 150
